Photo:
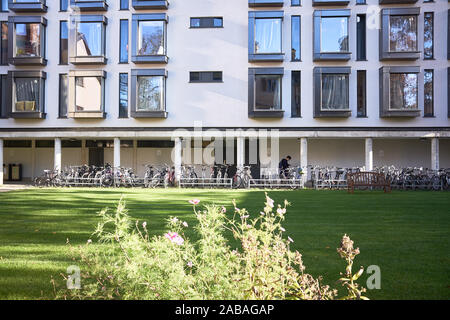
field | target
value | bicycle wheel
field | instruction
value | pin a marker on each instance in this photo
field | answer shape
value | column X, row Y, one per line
column 237, row 181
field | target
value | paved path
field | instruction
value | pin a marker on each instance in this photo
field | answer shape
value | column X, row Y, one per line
column 12, row 187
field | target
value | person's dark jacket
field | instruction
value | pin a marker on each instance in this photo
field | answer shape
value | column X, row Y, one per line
column 283, row 164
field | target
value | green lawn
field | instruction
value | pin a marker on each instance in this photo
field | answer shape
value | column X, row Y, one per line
column 405, row 233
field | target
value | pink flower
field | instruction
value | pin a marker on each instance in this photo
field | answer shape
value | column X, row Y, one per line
column 224, row 209
column 194, row 201
column 281, row 211
column 185, row 224
column 144, row 224
column 269, row 202
column 175, row 238
column 190, row 264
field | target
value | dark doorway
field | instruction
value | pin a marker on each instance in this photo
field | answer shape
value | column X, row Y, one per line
column 96, row 157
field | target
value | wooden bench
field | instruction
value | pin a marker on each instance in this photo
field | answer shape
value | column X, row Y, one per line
column 367, row 179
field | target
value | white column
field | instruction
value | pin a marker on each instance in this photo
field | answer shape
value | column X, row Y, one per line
column 240, row 150
column 84, row 154
column 57, row 160
column 369, row 154
column 434, row 154
column 177, row 160
column 1, row 162
column 116, row 152
column 304, row 158
column 33, row 159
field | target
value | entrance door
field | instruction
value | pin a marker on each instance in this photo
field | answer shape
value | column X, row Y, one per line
column 96, row 157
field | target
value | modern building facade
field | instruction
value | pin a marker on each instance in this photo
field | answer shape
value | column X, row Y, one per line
column 134, row 82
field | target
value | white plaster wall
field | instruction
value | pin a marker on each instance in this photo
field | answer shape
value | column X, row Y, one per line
column 334, row 152
column 44, row 160
column 71, row 157
column 402, row 153
column 153, row 156
column 444, row 153
column 226, row 49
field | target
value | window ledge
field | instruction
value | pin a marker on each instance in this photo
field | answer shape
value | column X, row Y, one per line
column 149, row 114
column 332, row 114
column 28, row 115
column 89, row 6
column 87, row 115
column 396, row 1
column 266, row 114
column 27, row 7
column 265, row 3
column 400, row 114
column 277, row 57
column 330, row 2
column 392, row 55
column 342, row 56
column 150, row 4
column 88, row 60
column 28, row 61
column 150, row 59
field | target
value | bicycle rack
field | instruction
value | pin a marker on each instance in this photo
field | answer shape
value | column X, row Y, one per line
column 330, row 184
column 275, row 183
column 205, row 182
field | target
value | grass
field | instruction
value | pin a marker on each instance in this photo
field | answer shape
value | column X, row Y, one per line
column 405, row 233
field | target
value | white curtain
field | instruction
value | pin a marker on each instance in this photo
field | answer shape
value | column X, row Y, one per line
column 334, row 92
column 268, row 36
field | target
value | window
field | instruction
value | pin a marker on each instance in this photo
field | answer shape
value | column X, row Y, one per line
column 295, row 38
column 124, row 4
column 63, row 43
column 296, row 96
column 331, row 92
column 399, row 92
column 207, row 22
column 3, row 94
column 448, row 36
column 331, row 35
column 26, row 94
column 361, row 37
column 428, row 104
column 89, row 5
column 265, row 36
column 428, row 33
column 399, row 34
column 27, row 5
column 63, row 95
column 149, row 38
column 361, row 92
column 150, row 4
column 63, row 5
column 123, row 95
column 295, row 3
column 4, row 43
column 148, row 93
column 205, row 76
column 87, row 94
column 265, row 3
column 265, row 85
column 26, row 40
column 4, row 5
column 123, row 41
column 88, row 39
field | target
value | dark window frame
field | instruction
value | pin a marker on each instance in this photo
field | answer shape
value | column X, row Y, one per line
column 135, row 73
column 263, row 57
column 318, row 3
column 61, row 56
column 396, row 1
column 361, row 109
column 123, row 110
column 384, row 98
column 317, row 90
column 63, row 105
column 150, row 4
column 86, row 60
column 135, row 57
column 384, row 47
column 265, row 3
column 252, row 112
column 4, row 49
column 296, row 107
column 205, row 77
column 21, row 61
column 71, row 112
column 206, row 25
column 429, row 114
column 39, row 6
column 318, row 55
column 361, row 43
column 3, row 95
column 299, row 37
column 121, row 58
column 94, row 5
column 432, row 36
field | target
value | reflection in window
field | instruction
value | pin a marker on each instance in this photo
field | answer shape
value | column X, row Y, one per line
column 428, row 93
column 268, row 35
column 88, row 93
column 207, row 22
column 4, row 5
column 268, row 92
column 361, row 93
column 334, row 95
column 28, row 42
column 63, row 5
column 63, row 95
column 123, row 41
column 4, row 43
column 296, row 95
column 151, row 38
column 403, row 91
column 334, row 34
column 150, row 91
column 63, row 43
column 26, row 94
column 428, row 35
column 295, row 38
column 123, row 95
column 89, row 39
column 403, row 33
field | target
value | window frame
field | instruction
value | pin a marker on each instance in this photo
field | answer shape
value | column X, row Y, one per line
column 425, row 114
column 317, row 88
column 432, row 35
column 384, row 99
column 63, row 105
column 265, row 3
column 363, row 106
column 149, row 4
column 296, row 109
column 72, row 112
column 123, row 112
column 135, row 57
column 255, row 113
column 206, row 78
column 263, row 57
column 299, row 38
column 135, row 73
column 4, row 50
column 85, row 60
column 61, row 22
column 384, row 42
column 122, row 59
column 318, row 55
column 40, row 112
column 396, row 1
column 39, row 6
column 318, row 3
column 361, row 38
column 22, row 61
column 205, row 26
column 3, row 96
column 94, row 5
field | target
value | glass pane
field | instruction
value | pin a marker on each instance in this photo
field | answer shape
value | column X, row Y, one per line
column 63, row 97
column 64, row 43
column 218, row 22
column 124, row 41
column 268, row 36
column 295, row 38
column 195, row 22
column 89, row 39
column 295, row 87
column 150, row 93
column 151, row 38
column 4, row 5
column 4, row 43
column 334, row 92
column 361, row 93
column 403, row 33
column 123, row 95
column 26, row 94
column 295, row 2
column 88, row 93
column 124, row 4
column 403, row 91
column 334, row 34
column 428, row 93
column 268, row 92
column 28, row 42
column 428, row 35
column 63, row 4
